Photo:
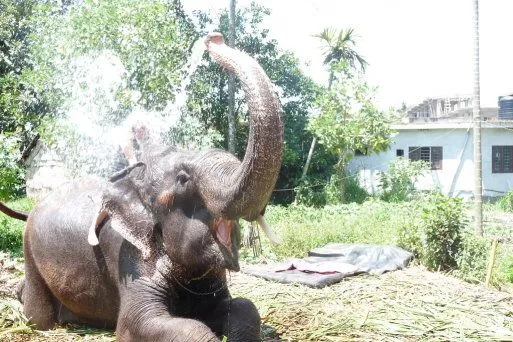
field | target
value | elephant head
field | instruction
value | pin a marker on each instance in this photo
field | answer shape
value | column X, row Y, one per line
column 188, row 202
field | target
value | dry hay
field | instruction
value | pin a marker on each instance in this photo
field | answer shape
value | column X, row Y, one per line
column 408, row 305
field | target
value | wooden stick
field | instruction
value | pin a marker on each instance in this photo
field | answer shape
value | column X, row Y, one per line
column 491, row 263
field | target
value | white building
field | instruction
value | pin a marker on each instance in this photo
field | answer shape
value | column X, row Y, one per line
column 448, row 147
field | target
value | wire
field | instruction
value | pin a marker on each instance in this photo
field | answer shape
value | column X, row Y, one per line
column 388, row 163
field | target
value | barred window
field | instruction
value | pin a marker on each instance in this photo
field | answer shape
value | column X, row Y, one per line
column 431, row 154
column 501, row 159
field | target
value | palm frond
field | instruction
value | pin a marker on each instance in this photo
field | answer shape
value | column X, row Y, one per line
column 339, row 45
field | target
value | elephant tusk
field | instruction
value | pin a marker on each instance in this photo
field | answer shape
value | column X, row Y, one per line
column 267, row 230
column 92, row 237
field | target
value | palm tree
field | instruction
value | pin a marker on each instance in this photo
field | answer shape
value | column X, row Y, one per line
column 478, row 166
column 338, row 46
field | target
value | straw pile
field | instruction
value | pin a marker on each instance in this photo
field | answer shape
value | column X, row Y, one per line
column 408, row 305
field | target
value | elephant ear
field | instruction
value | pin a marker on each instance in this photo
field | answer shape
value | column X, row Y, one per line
column 122, row 202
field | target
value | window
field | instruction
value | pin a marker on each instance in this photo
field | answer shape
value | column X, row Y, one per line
column 399, row 153
column 501, row 159
column 431, row 154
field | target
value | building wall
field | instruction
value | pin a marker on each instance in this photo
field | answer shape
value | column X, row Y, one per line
column 45, row 171
column 496, row 183
column 457, row 175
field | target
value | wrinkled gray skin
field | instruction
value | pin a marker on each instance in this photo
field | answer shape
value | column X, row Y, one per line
column 166, row 230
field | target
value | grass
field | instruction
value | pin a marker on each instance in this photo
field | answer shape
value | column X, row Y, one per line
column 11, row 230
column 303, row 228
column 376, row 222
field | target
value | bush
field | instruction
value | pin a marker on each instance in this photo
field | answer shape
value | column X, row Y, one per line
column 505, row 203
column 443, row 220
column 354, row 193
column 435, row 236
column 11, row 230
column 310, row 193
column 507, row 268
column 397, row 184
column 11, row 173
column 472, row 258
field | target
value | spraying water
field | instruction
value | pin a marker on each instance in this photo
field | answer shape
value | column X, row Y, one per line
column 95, row 128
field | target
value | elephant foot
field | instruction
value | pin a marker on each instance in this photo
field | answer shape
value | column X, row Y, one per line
column 19, row 290
column 38, row 301
column 237, row 319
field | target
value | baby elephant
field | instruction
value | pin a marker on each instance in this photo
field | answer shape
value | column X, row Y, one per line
column 147, row 251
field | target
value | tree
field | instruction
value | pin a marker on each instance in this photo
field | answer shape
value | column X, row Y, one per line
column 349, row 121
column 40, row 42
column 338, row 46
column 151, row 38
column 21, row 105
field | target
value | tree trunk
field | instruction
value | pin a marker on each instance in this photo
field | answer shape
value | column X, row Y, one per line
column 341, row 166
column 478, row 167
column 314, row 140
column 231, row 87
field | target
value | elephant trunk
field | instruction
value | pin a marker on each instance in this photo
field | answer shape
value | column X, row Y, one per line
column 243, row 189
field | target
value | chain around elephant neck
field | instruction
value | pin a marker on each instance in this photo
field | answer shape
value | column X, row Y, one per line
column 164, row 268
column 222, row 287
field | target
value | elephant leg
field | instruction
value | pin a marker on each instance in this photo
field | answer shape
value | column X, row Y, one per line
column 38, row 301
column 237, row 319
column 144, row 317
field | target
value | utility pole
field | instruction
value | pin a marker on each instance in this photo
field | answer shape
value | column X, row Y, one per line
column 231, row 86
column 478, row 166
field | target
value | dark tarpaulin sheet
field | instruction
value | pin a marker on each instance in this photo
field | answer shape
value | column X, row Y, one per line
column 330, row 264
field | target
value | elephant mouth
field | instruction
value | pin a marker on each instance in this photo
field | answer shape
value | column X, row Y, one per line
column 223, row 229
column 228, row 235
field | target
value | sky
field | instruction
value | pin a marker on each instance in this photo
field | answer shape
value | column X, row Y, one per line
column 415, row 48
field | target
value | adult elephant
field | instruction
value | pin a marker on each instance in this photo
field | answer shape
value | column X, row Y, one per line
column 162, row 234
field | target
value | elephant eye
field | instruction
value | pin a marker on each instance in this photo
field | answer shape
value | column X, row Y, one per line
column 182, row 177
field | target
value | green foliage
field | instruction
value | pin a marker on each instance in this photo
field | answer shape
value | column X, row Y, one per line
column 152, row 38
column 318, row 192
column 435, row 237
column 397, row 183
column 339, row 46
column 508, row 268
column 310, row 193
column 505, row 203
column 11, row 230
column 11, row 173
column 472, row 258
column 21, row 106
column 354, row 193
column 349, row 120
column 443, row 220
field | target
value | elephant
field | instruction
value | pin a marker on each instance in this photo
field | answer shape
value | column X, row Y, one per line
column 147, row 251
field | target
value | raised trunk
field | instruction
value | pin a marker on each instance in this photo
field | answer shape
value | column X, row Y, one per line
column 243, row 191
